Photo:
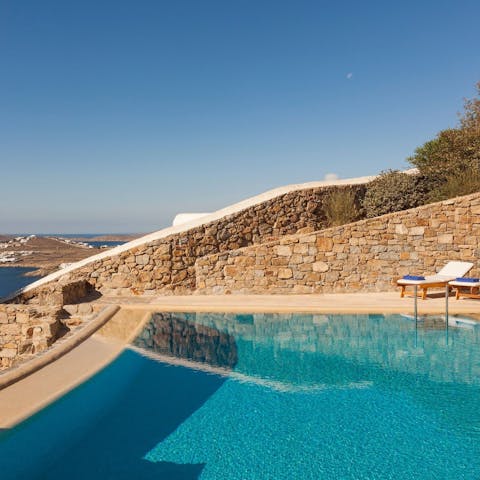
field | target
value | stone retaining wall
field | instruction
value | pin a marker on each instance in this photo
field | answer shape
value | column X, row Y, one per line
column 167, row 266
column 62, row 292
column 26, row 330
column 364, row 256
column 32, row 322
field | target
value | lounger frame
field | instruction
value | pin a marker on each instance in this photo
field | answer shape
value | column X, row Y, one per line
column 466, row 291
column 424, row 287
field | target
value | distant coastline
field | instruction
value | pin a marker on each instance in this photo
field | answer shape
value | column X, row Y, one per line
column 43, row 254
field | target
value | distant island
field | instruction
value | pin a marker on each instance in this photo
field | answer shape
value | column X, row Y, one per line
column 49, row 253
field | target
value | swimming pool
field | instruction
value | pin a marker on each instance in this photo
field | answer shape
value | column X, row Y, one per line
column 267, row 396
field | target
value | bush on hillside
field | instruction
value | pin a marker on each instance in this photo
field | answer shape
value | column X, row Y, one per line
column 457, row 185
column 392, row 191
column 452, row 154
column 340, row 207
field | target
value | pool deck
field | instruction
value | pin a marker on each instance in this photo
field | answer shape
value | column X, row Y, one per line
column 385, row 302
column 28, row 395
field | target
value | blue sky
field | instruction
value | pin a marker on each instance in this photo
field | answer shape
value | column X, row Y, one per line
column 116, row 115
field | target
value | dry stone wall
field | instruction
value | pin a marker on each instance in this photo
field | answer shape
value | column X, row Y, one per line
column 167, row 265
column 26, row 330
column 364, row 256
column 30, row 324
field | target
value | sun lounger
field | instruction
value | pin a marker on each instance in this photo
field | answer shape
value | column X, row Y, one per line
column 466, row 287
column 449, row 272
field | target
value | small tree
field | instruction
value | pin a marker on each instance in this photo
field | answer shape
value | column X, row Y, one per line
column 453, row 153
column 470, row 120
column 392, row 191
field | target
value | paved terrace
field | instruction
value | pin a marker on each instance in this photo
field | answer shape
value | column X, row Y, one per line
column 70, row 368
column 384, row 302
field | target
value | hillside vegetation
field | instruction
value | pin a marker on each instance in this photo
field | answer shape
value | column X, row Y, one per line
column 448, row 166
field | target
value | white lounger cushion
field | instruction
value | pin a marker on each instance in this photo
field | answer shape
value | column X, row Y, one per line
column 455, row 283
column 450, row 271
column 456, row 269
column 428, row 279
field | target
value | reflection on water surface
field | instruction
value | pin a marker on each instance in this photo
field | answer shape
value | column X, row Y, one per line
column 174, row 335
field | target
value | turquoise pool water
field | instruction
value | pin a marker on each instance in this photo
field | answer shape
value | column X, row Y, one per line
column 216, row 396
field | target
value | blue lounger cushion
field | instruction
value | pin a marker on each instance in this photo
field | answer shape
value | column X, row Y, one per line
column 467, row 279
column 413, row 277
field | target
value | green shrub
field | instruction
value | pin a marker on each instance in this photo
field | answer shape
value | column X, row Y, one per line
column 463, row 183
column 340, row 206
column 392, row 191
column 451, row 153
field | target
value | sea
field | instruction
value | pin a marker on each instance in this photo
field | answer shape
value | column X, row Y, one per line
column 13, row 278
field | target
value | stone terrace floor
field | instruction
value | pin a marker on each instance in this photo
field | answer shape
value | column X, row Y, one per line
column 385, row 302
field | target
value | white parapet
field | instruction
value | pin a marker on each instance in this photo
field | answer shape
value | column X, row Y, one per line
column 182, row 218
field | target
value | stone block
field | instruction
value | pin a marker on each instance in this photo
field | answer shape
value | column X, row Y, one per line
column 142, row 259
column 230, row 270
column 324, row 244
column 120, row 280
column 312, row 277
column 301, row 248
column 283, row 250
column 285, row 273
column 245, row 261
column 320, row 267
column 179, row 276
column 295, row 259
column 299, row 289
column 445, row 238
column 307, row 239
